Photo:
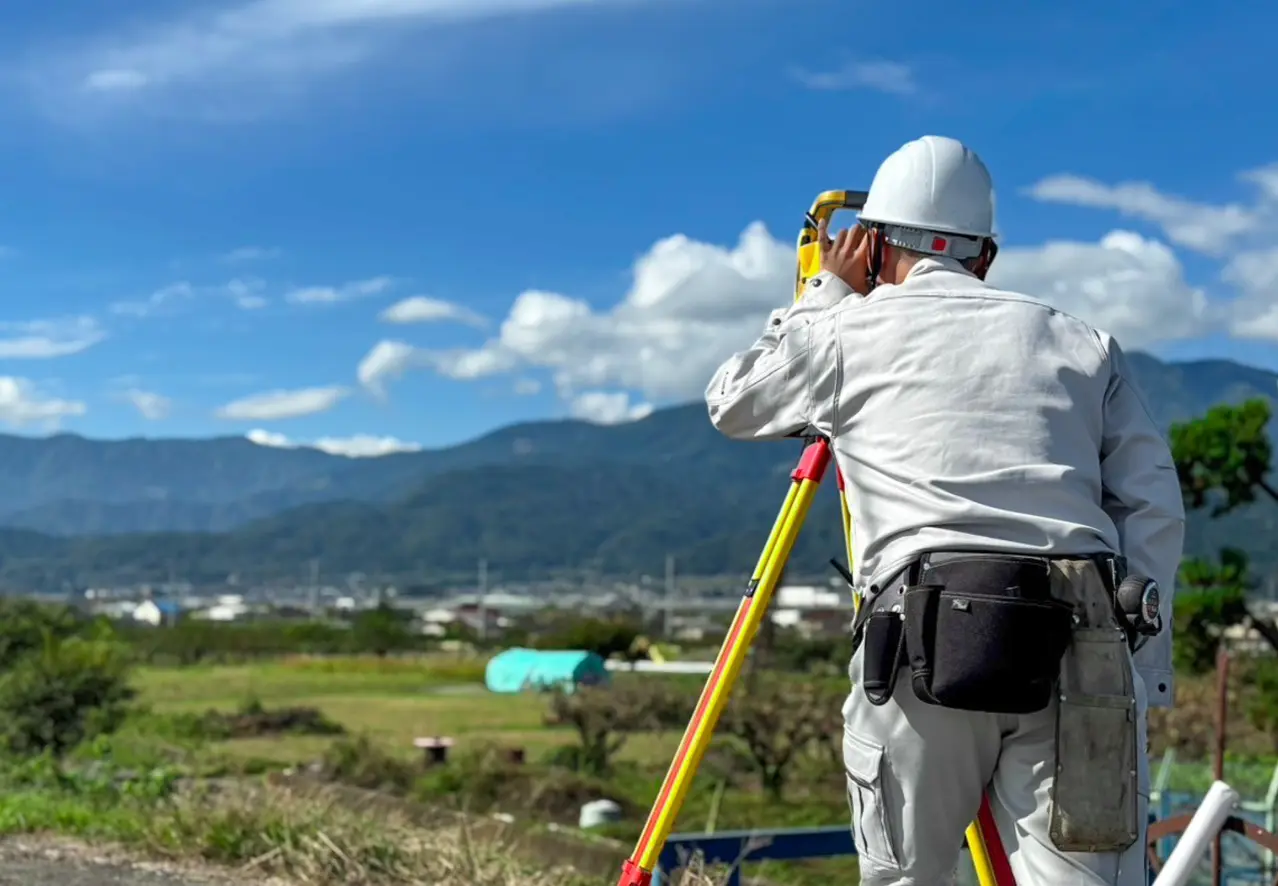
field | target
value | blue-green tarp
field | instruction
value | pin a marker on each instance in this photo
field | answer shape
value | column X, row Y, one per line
column 519, row 670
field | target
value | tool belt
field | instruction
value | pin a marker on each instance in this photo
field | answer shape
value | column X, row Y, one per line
column 979, row 631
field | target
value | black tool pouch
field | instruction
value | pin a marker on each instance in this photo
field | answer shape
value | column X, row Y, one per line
column 983, row 633
column 883, row 653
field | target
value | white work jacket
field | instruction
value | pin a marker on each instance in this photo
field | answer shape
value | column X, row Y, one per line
column 967, row 418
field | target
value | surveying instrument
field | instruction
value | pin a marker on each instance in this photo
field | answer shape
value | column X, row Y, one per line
column 988, row 855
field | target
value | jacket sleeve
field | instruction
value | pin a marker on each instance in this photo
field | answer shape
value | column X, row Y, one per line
column 768, row 392
column 1142, row 496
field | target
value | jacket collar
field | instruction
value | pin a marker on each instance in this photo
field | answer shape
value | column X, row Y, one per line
column 935, row 263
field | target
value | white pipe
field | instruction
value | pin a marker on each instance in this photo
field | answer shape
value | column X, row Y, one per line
column 1217, row 806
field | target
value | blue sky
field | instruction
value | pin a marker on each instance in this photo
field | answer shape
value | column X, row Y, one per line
column 411, row 221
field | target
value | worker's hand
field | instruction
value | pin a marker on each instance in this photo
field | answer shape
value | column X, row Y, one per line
column 847, row 256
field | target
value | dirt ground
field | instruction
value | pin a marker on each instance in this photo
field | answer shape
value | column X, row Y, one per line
column 41, row 861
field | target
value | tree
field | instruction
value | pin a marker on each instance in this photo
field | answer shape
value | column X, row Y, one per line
column 1225, row 454
column 603, row 719
column 778, row 721
column 1211, row 597
column 604, row 636
column 1222, row 460
column 25, row 627
column 382, row 630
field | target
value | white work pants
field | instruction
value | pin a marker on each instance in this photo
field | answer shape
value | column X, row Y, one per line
column 916, row 773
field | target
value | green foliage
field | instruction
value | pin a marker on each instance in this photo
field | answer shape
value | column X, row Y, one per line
column 1262, row 701
column 382, row 630
column 54, row 698
column 192, row 641
column 63, row 678
column 823, row 654
column 603, row 636
column 362, row 763
column 1210, row 598
column 778, row 722
column 602, row 719
column 1225, row 452
column 25, row 627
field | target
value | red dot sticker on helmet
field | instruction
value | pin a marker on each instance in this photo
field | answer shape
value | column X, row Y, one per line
column 939, row 244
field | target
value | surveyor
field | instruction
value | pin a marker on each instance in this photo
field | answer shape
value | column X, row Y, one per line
column 1004, row 478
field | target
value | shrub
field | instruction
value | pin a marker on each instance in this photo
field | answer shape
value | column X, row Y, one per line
column 362, row 764
column 778, row 721
column 70, row 690
column 603, row 636
column 603, row 718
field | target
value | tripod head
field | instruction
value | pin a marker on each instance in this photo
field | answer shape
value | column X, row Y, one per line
column 823, row 207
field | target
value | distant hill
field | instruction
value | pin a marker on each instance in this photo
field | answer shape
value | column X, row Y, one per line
column 532, row 498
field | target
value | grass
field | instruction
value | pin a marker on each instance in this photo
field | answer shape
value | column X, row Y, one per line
column 393, row 701
column 390, row 702
column 265, row 829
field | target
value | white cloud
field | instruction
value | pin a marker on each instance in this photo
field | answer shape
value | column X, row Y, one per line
column 357, row 446
column 422, row 309
column 1129, row 286
column 159, row 300
column 269, row 49
column 249, row 254
column 692, row 304
column 1254, row 274
column 1244, row 238
column 115, row 80
column 21, row 404
column 281, row 404
column 387, row 361
column 1204, row 228
column 152, row 406
column 608, row 407
column 273, row 439
column 46, row 339
column 881, row 76
column 246, row 293
column 527, row 387
column 346, row 292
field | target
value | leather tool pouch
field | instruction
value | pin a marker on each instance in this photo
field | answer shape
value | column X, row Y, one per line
column 1095, row 802
column 983, row 633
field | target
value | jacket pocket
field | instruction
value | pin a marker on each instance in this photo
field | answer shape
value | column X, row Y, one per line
column 871, row 830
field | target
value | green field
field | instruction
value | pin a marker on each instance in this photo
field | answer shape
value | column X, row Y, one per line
column 392, row 701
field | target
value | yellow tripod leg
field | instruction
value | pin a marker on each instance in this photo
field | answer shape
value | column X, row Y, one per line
column 638, row 869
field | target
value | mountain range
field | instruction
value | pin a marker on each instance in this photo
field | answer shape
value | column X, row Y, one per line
column 532, row 498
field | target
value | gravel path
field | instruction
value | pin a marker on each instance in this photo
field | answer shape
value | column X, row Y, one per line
column 39, row 861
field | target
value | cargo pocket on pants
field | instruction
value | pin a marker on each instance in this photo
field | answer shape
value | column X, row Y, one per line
column 870, row 829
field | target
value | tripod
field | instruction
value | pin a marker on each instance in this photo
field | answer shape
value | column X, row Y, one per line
column 988, row 854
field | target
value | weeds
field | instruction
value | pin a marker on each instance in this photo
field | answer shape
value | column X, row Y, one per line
column 262, row 828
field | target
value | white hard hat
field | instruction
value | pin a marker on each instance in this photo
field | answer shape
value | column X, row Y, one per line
column 933, row 184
